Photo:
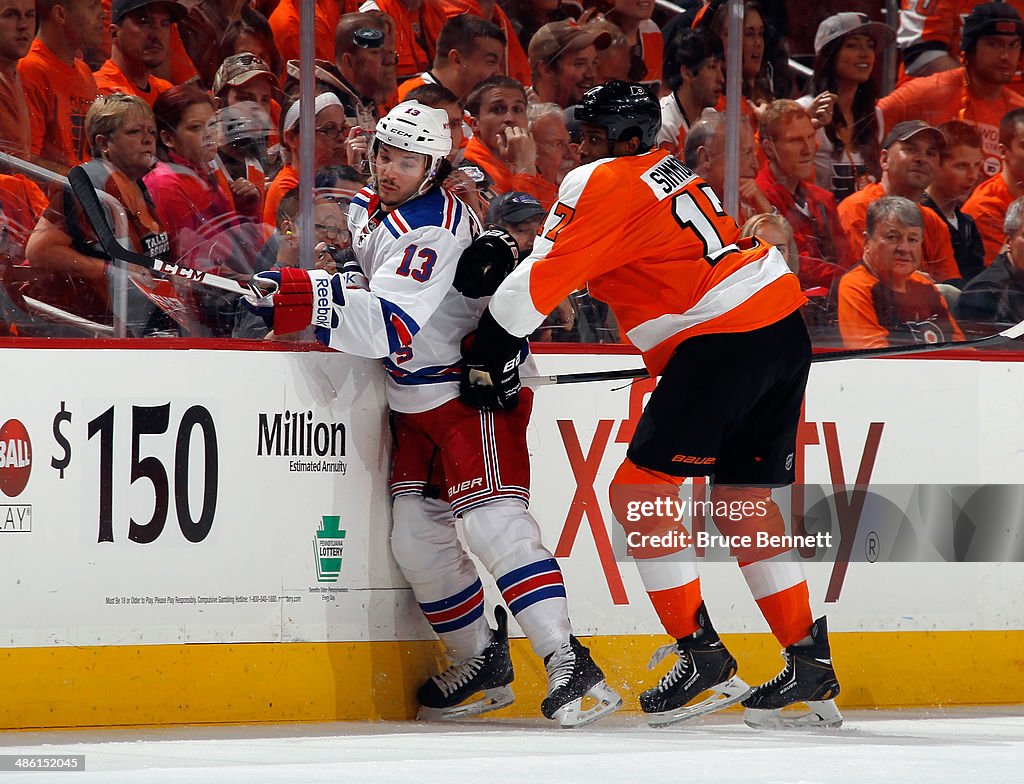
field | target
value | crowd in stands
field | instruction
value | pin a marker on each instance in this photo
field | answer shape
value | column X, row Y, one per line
column 899, row 205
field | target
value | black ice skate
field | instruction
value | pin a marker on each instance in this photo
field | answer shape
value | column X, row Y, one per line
column 447, row 695
column 704, row 665
column 807, row 679
column 573, row 676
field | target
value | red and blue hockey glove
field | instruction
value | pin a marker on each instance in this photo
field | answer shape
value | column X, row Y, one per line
column 292, row 298
column 490, row 371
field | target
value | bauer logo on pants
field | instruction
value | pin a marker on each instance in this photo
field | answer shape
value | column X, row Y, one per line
column 329, row 546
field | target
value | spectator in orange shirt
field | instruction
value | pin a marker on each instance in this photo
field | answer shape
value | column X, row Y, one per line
column 516, row 64
column 469, row 50
column 17, row 26
column 787, row 139
column 910, row 158
column 140, row 34
column 704, row 152
column 959, row 167
column 884, row 300
column 988, row 204
column 501, row 143
column 563, row 61
column 978, row 94
column 414, row 50
column 72, row 274
column 59, row 87
column 696, row 78
column 284, row 21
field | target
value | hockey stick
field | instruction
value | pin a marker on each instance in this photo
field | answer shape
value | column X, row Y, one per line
column 1007, row 335
column 86, row 194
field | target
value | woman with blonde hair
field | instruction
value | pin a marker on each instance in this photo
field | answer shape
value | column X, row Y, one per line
column 775, row 230
column 73, row 273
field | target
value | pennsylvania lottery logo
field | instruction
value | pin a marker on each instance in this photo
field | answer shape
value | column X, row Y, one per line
column 329, row 546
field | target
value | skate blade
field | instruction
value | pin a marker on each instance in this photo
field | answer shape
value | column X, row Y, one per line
column 822, row 714
column 605, row 700
column 723, row 695
column 492, row 700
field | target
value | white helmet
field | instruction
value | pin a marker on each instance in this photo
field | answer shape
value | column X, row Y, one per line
column 417, row 128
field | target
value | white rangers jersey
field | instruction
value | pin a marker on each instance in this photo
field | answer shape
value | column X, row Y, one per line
column 411, row 316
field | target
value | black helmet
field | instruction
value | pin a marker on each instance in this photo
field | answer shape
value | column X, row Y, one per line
column 623, row 109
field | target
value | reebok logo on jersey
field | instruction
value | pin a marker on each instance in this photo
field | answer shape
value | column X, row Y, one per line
column 322, row 302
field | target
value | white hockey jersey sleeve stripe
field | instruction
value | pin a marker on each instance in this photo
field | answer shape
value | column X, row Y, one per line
column 732, row 292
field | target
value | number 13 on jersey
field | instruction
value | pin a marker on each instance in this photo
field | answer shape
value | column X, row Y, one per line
column 417, row 263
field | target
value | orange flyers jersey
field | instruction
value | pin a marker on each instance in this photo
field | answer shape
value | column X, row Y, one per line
column 653, row 241
column 945, row 96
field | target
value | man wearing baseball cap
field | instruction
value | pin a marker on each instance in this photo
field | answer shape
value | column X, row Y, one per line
column 520, row 214
column 929, row 34
column 976, row 93
column 140, row 33
column 563, row 60
column 910, row 159
column 244, row 77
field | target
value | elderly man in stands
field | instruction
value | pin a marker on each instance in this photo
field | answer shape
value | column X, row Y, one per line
column 140, row 35
column 704, row 152
column 990, row 200
column 556, row 155
column 884, row 300
column 563, row 61
column 59, row 87
column 995, row 297
column 788, row 142
column 910, row 159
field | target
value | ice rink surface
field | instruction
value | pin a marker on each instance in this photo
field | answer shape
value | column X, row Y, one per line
column 955, row 746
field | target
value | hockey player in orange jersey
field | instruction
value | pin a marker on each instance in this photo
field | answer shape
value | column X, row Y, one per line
column 717, row 318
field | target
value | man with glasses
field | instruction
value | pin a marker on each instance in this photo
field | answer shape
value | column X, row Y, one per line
column 140, row 33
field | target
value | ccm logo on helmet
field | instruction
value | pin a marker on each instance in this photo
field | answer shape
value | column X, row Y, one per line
column 322, row 303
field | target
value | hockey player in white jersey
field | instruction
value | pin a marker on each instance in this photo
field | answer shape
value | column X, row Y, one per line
column 430, row 276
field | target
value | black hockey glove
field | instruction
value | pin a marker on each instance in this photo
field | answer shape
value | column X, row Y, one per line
column 486, row 263
column 490, row 371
